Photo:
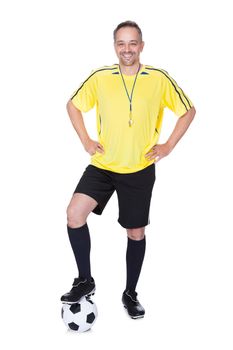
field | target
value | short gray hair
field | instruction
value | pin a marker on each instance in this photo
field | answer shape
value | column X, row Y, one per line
column 127, row 24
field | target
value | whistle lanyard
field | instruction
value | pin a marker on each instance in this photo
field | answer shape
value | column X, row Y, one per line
column 130, row 97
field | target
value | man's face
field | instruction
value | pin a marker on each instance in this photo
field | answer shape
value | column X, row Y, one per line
column 128, row 46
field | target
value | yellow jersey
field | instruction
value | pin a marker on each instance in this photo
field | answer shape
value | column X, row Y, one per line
column 106, row 89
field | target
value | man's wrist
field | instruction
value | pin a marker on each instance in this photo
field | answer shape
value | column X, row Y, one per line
column 85, row 141
column 170, row 146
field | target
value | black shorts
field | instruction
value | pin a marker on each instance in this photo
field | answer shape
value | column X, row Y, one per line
column 133, row 190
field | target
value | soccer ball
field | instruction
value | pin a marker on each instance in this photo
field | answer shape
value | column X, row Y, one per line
column 80, row 316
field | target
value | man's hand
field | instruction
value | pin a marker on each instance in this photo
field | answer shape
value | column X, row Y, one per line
column 92, row 147
column 157, row 152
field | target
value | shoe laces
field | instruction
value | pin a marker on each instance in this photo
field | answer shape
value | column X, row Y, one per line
column 78, row 280
column 132, row 294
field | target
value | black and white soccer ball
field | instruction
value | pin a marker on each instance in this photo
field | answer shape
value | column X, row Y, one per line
column 80, row 316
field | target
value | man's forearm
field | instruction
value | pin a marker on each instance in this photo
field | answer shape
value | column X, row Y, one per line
column 180, row 128
column 78, row 123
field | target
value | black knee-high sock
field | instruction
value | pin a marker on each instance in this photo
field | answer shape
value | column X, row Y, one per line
column 81, row 245
column 134, row 259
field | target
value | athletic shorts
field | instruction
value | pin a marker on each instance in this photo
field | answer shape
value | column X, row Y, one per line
column 133, row 190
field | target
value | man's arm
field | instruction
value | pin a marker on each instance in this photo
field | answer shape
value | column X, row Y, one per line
column 76, row 118
column 157, row 152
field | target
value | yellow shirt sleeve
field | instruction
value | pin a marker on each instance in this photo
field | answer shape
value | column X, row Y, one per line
column 85, row 97
column 174, row 98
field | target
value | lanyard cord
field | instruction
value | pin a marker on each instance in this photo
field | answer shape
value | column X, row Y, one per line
column 131, row 96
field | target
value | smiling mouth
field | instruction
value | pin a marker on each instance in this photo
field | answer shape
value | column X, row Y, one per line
column 127, row 57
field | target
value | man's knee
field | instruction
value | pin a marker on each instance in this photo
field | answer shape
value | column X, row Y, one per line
column 81, row 205
column 75, row 218
column 136, row 234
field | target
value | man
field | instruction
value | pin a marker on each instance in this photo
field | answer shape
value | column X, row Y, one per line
column 130, row 98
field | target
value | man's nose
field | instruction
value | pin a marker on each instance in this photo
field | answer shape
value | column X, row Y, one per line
column 127, row 47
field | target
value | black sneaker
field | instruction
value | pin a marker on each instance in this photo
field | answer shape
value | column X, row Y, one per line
column 81, row 287
column 132, row 305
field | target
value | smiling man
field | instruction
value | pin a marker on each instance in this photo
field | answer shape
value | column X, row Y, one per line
column 130, row 98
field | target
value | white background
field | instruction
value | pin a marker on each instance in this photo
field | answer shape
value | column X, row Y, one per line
column 47, row 49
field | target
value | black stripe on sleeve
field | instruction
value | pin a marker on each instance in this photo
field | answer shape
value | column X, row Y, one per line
column 99, row 70
column 182, row 92
column 167, row 75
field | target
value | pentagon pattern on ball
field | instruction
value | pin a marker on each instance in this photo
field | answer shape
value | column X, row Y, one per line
column 75, row 308
column 91, row 318
column 73, row 326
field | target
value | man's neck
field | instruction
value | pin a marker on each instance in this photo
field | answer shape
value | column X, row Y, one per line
column 130, row 70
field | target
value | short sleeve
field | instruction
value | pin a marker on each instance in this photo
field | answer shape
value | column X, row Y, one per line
column 85, row 97
column 173, row 96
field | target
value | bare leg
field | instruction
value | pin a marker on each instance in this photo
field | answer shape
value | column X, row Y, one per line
column 81, row 205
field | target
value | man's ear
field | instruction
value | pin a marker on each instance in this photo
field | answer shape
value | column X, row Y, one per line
column 142, row 45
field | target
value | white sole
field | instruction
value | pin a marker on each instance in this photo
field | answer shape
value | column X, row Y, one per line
column 133, row 317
